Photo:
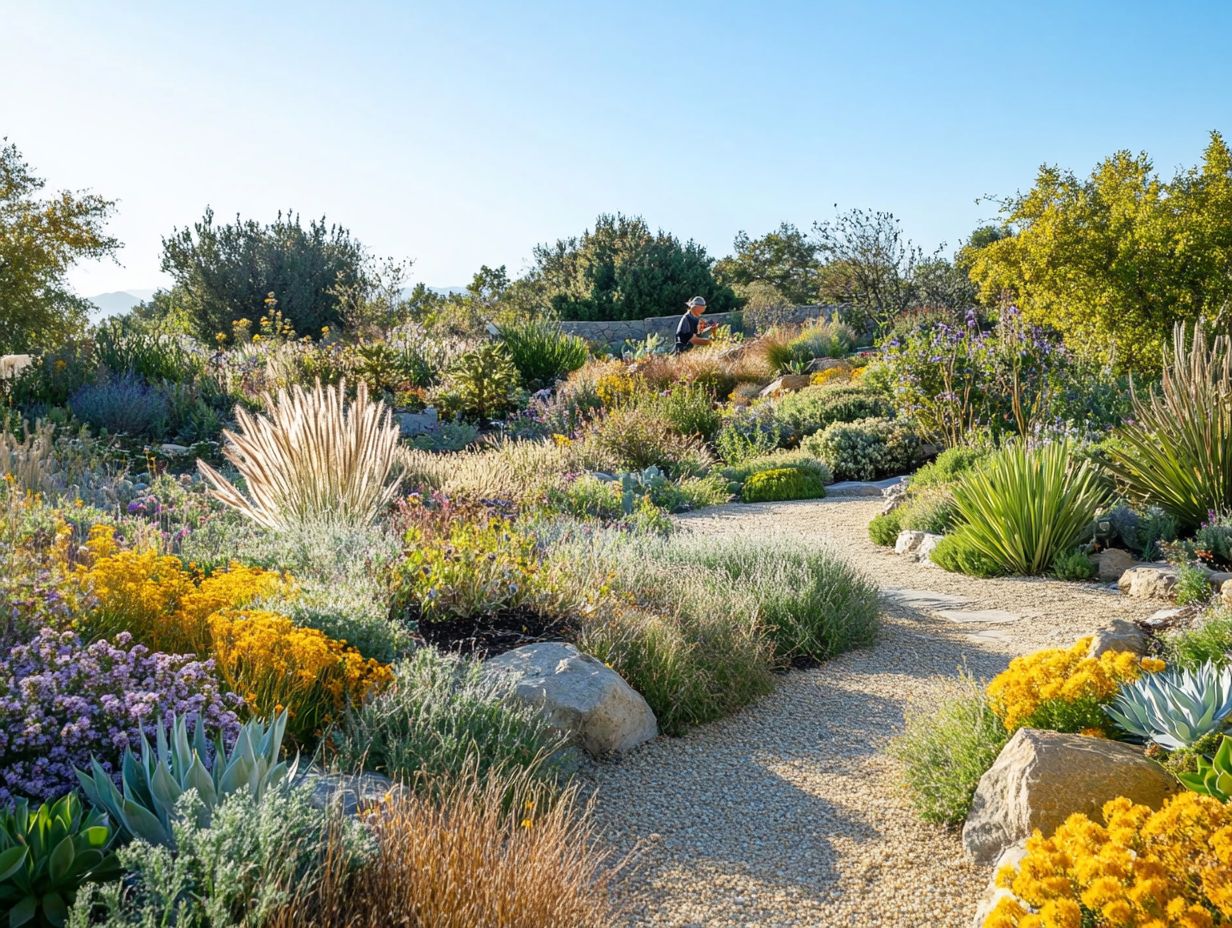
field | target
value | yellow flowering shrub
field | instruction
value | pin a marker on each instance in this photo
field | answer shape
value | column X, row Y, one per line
column 1170, row 868
column 834, row 374
column 261, row 655
column 275, row 664
column 615, row 388
column 1062, row 689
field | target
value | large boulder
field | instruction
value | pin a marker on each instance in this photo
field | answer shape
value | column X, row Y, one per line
column 578, row 695
column 1118, row 635
column 1148, row 581
column 1040, row 778
column 1112, row 563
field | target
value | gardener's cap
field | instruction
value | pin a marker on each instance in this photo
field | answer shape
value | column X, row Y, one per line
column 696, row 301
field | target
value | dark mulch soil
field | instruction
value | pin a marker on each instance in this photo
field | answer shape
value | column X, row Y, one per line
column 495, row 633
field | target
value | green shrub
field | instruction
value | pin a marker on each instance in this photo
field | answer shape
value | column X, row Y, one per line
column 748, row 433
column 1210, row 642
column 1024, row 506
column 1192, row 586
column 541, row 352
column 884, row 528
column 948, row 466
column 798, row 459
column 1073, row 565
column 814, row 408
column 812, row 604
column 450, row 435
column 151, row 356
column 933, row 511
column 482, row 384
column 1176, row 451
column 441, row 718
column 945, row 749
column 46, row 855
column 957, row 553
column 687, row 408
column 782, row 483
column 633, row 438
column 254, row 858
column 867, row 449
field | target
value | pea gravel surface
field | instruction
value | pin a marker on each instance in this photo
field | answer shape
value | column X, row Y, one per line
column 791, row 812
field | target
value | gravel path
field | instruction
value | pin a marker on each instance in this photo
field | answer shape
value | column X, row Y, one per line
column 790, row 813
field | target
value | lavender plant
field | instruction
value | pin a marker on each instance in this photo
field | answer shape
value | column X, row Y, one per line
column 63, row 702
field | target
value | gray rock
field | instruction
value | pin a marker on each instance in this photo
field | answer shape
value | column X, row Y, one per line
column 862, row 487
column 908, row 542
column 353, row 791
column 788, row 383
column 1011, row 857
column 1119, row 635
column 1112, row 562
column 416, row 423
column 578, row 695
column 1148, row 581
column 1041, row 778
column 924, row 553
column 172, row 450
column 817, row 365
column 1169, row 618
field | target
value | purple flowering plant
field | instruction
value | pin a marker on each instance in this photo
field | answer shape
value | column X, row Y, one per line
column 63, row 702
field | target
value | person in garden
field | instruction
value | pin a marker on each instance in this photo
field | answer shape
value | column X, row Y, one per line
column 692, row 330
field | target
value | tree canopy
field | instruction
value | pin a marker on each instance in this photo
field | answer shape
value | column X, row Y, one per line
column 1113, row 260
column 621, row 270
column 225, row 272
column 40, row 240
column 785, row 259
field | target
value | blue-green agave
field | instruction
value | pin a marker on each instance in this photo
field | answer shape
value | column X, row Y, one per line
column 151, row 784
column 1174, row 708
column 46, row 855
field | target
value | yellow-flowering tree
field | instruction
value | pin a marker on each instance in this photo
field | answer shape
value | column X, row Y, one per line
column 1114, row 260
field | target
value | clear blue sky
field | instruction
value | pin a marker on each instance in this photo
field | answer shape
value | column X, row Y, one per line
column 459, row 133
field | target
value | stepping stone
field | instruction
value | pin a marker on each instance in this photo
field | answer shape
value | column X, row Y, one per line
column 862, row 487
column 991, row 635
column 979, row 616
column 923, row 599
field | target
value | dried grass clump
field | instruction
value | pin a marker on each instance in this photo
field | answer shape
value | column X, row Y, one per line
column 517, row 471
column 313, row 456
column 499, row 852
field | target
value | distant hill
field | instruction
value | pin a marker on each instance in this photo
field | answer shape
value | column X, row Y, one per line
column 119, row 301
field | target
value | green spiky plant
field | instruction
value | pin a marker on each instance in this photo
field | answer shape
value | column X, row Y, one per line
column 1025, row 506
column 1176, row 452
column 1213, row 777
column 46, row 855
column 542, row 352
column 144, row 805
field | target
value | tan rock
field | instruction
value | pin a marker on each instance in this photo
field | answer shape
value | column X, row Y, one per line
column 1148, row 581
column 1112, row 562
column 1041, row 778
column 1118, row 635
column 1011, row 857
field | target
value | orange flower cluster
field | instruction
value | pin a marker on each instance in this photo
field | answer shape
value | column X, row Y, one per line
column 261, row 655
column 1141, row 869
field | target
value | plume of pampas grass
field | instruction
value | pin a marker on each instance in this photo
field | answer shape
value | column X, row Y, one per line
column 314, row 455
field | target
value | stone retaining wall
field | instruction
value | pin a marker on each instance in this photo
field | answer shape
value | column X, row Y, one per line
column 617, row 332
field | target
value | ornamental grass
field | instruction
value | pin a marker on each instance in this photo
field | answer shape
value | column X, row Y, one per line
column 1138, row 868
column 1176, row 451
column 491, row 851
column 314, row 455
